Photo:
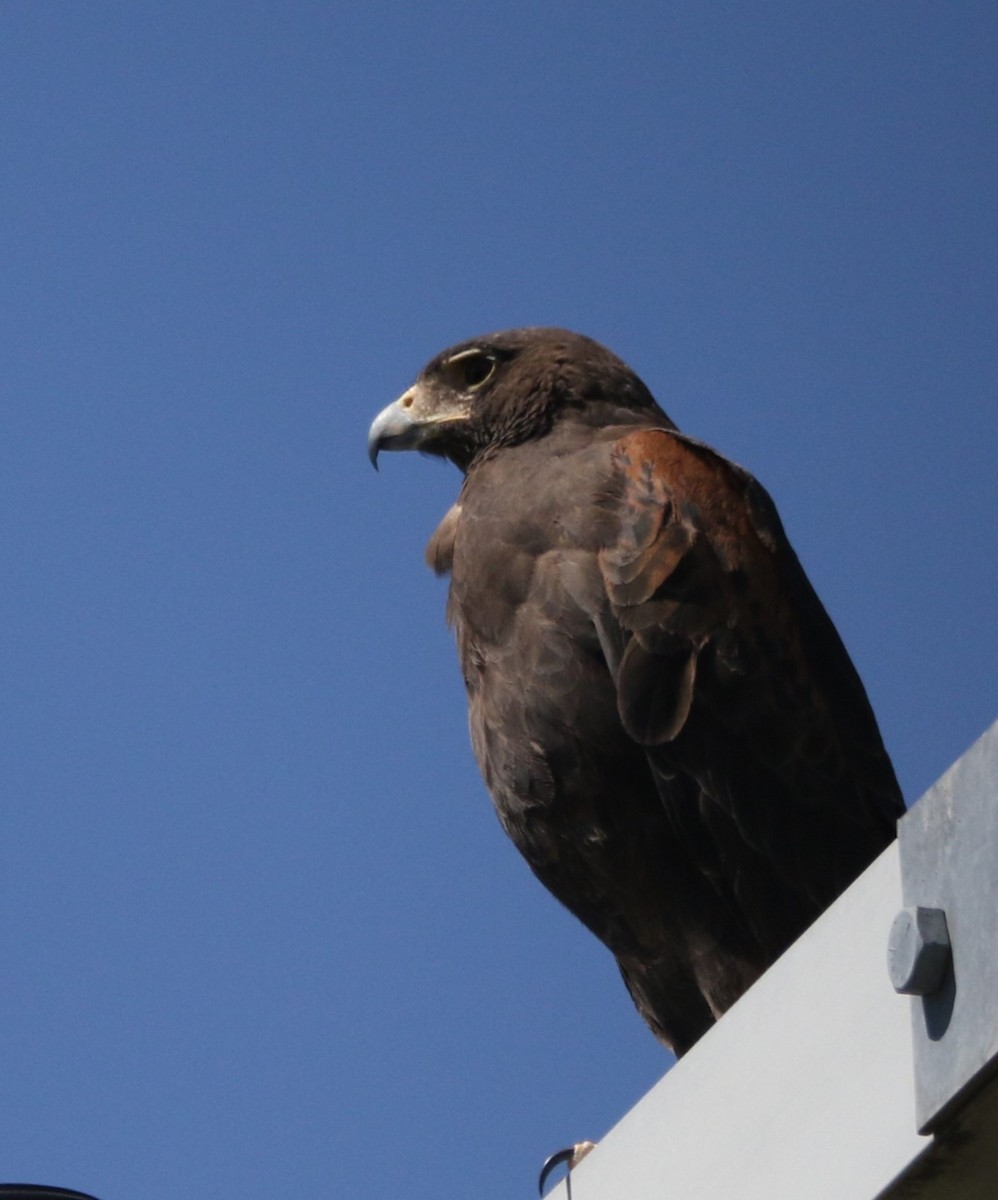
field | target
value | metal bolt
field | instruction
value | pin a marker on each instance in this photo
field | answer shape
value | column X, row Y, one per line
column 918, row 951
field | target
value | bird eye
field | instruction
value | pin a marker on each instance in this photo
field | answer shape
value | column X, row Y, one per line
column 471, row 368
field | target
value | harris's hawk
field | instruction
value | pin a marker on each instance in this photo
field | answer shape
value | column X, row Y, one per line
column 671, row 730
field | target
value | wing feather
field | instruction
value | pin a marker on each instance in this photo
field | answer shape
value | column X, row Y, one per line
column 732, row 673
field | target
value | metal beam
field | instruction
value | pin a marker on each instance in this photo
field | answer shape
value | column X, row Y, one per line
column 806, row 1087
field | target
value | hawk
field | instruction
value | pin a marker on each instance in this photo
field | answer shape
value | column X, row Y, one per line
column 670, row 728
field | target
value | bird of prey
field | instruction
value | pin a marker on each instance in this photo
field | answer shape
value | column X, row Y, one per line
column 671, row 730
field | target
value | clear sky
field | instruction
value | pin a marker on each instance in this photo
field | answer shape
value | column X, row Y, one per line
column 261, row 933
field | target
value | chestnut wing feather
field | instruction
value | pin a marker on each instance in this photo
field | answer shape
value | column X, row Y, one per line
column 732, row 673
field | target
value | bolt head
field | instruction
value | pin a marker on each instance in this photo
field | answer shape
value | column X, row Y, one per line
column 918, row 951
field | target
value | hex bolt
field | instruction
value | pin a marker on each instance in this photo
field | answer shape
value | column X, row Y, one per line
column 918, row 951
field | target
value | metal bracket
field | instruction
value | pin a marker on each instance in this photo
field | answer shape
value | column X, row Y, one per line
column 948, row 844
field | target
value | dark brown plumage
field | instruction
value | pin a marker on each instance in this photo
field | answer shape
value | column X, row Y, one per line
column 670, row 728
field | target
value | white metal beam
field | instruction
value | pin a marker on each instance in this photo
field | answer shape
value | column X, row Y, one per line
column 805, row 1090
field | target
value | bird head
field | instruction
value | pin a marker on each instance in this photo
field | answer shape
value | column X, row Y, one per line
column 506, row 388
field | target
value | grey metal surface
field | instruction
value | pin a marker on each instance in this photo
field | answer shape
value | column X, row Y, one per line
column 803, row 1090
column 949, row 861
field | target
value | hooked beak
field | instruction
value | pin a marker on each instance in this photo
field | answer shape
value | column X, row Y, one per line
column 394, row 428
column 415, row 420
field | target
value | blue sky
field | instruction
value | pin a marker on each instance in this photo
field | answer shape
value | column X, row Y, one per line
column 261, row 932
